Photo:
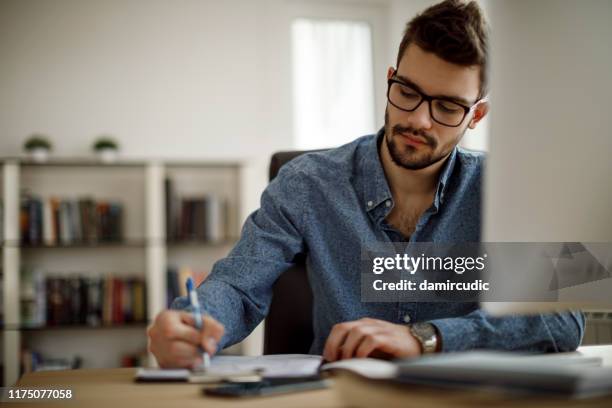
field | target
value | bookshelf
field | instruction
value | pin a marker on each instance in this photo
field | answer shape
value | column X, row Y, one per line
column 143, row 250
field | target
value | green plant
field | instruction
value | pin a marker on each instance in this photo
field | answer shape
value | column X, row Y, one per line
column 37, row 141
column 105, row 143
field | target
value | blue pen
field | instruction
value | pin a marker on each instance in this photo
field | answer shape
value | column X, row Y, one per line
column 197, row 314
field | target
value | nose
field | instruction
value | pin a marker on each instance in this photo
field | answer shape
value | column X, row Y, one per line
column 420, row 118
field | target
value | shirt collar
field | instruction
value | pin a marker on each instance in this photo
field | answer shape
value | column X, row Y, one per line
column 374, row 182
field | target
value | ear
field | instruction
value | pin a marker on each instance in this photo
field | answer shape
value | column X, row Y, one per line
column 480, row 112
column 390, row 72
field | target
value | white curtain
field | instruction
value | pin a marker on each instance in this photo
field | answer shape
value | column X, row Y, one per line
column 333, row 89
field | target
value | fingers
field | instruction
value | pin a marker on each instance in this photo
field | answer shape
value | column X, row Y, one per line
column 183, row 329
column 176, row 354
column 212, row 332
column 369, row 337
column 169, row 325
column 366, row 347
column 336, row 339
column 175, row 342
column 208, row 338
column 354, row 339
column 183, row 351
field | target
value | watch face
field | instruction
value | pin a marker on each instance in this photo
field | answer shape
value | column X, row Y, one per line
column 426, row 335
column 424, row 329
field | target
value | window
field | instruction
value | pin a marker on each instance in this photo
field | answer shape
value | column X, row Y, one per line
column 333, row 88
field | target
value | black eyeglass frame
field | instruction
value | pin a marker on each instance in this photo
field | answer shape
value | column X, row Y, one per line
column 425, row 97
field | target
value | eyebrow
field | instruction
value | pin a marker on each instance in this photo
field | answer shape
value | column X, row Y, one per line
column 452, row 98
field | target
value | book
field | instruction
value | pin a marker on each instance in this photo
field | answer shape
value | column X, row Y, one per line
column 80, row 300
column 33, row 298
column 138, row 300
column 47, row 227
column 172, row 210
column 55, row 221
column 194, row 218
column 64, row 221
column 566, row 374
column 1, row 221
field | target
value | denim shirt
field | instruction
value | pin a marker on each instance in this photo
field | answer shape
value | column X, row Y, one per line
column 324, row 205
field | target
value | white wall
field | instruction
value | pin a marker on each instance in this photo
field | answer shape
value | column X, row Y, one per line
column 550, row 167
column 173, row 79
column 549, row 170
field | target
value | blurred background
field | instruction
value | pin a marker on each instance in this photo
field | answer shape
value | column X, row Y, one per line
column 136, row 137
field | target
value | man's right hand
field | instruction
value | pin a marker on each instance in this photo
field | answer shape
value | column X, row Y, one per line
column 174, row 340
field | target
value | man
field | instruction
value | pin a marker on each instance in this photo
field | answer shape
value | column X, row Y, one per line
column 410, row 182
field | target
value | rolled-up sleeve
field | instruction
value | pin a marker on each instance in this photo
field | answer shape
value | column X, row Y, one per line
column 545, row 332
column 238, row 290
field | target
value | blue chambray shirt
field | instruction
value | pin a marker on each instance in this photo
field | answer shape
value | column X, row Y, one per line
column 324, row 205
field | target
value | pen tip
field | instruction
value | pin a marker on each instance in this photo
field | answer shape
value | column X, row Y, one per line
column 189, row 284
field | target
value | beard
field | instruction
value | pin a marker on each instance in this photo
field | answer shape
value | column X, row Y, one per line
column 410, row 157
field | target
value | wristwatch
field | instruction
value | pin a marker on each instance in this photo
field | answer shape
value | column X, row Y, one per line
column 427, row 335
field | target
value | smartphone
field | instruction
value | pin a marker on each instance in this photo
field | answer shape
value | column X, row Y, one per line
column 269, row 386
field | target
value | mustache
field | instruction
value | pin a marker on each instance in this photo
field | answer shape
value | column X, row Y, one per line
column 397, row 129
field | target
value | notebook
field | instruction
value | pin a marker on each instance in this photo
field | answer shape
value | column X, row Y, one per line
column 238, row 368
column 572, row 374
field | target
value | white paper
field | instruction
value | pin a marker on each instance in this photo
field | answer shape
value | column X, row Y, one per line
column 277, row 365
column 166, row 374
column 367, row 367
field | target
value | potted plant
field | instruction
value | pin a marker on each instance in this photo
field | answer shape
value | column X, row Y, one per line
column 106, row 148
column 38, row 146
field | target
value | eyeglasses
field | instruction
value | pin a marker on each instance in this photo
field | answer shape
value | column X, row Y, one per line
column 444, row 111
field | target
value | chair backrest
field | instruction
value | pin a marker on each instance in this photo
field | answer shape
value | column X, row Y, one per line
column 288, row 327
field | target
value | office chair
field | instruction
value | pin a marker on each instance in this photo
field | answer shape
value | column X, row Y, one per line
column 288, row 327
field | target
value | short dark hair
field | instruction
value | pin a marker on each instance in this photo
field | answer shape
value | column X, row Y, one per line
column 453, row 30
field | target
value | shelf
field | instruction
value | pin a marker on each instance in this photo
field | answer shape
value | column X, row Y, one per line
column 201, row 243
column 74, row 162
column 204, row 165
column 126, row 162
column 64, row 327
column 135, row 243
column 81, row 245
column 140, row 185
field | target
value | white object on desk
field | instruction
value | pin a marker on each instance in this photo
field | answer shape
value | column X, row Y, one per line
column 239, row 367
column 158, row 374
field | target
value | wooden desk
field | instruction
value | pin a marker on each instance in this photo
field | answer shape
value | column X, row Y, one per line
column 115, row 388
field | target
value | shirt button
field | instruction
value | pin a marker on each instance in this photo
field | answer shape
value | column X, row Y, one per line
column 388, row 203
column 407, row 319
column 370, row 203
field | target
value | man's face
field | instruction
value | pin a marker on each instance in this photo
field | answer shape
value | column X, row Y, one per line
column 414, row 139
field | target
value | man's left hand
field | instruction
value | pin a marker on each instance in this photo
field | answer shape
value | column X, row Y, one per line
column 370, row 337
